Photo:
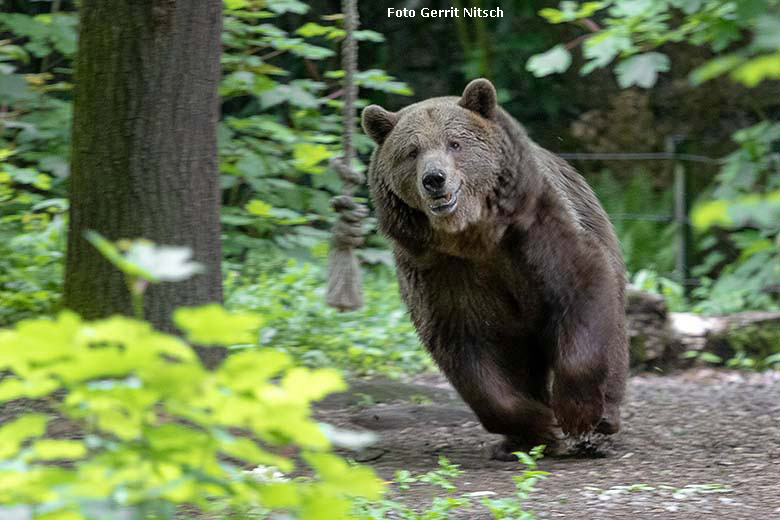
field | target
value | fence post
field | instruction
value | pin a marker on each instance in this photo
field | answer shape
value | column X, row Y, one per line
column 681, row 204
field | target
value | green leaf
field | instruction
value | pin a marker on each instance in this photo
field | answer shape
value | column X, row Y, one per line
column 715, row 67
column 380, row 80
column 311, row 385
column 54, row 449
column 259, row 208
column 358, row 481
column 772, row 359
column 709, row 214
column 15, row 52
column 571, row 11
column 213, row 325
column 756, row 70
column 248, row 369
column 248, row 451
column 60, row 515
column 632, row 8
column 758, row 246
column 603, row 47
column 236, row 4
column 641, row 70
column 288, row 6
column 555, row 60
column 687, row 6
column 288, row 94
column 115, row 256
column 16, row 431
column 311, row 29
column 63, row 32
column 280, row 495
column 369, row 36
column 14, row 88
column 552, row 15
column 307, row 156
column 33, row 386
column 709, row 357
column 767, row 33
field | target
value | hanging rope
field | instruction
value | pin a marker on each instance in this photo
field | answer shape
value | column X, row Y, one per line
column 344, row 276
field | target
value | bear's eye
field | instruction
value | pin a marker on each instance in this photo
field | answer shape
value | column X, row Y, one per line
column 413, row 153
column 453, row 145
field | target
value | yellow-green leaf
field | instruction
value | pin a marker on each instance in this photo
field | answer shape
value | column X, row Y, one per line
column 13, row 433
column 307, row 156
column 248, row 451
column 310, row 385
column 759, row 246
column 259, row 208
column 236, row 4
column 35, row 385
column 712, row 213
column 60, row 515
column 281, row 494
column 758, row 69
column 325, row 505
column 552, row 15
column 715, row 67
column 54, row 449
column 353, row 480
column 249, row 369
column 213, row 325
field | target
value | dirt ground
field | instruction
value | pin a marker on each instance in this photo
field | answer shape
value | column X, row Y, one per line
column 696, row 444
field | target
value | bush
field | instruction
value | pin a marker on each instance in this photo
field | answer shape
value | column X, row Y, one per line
column 31, row 251
column 151, row 429
column 379, row 338
column 632, row 206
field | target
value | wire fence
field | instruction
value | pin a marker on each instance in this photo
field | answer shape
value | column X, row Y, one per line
column 650, row 156
column 682, row 198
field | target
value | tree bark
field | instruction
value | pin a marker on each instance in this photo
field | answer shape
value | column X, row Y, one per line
column 144, row 156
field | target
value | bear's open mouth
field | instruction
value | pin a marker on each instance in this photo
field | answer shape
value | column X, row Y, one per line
column 446, row 204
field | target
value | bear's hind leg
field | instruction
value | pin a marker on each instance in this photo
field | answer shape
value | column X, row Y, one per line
column 614, row 388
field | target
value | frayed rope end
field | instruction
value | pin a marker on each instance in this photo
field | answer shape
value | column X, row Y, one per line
column 345, row 280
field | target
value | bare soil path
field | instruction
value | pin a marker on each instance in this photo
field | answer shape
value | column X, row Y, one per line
column 696, row 444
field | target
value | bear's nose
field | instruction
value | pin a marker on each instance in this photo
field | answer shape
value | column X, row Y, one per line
column 433, row 182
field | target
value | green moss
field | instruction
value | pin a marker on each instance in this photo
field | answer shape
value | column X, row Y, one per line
column 637, row 350
column 758, row 343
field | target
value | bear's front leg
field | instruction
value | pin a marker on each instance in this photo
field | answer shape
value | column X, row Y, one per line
column 584, row 289
column 578, row 393
column 591, row 358
column 511, row 404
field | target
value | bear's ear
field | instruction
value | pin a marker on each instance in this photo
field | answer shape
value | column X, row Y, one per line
column 480, row 97
column 378, row 122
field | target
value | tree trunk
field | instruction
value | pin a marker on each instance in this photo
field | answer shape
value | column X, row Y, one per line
column 144, row 156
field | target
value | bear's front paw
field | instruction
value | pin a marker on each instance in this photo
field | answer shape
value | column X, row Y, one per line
column 505, row 449
column 580, row 414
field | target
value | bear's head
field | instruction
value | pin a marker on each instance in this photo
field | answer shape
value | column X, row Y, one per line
column 441, row 157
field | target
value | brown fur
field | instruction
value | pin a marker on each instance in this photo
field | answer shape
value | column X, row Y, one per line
column 518, row 293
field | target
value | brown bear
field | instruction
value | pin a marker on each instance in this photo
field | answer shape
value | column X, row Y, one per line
column 508, row 264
